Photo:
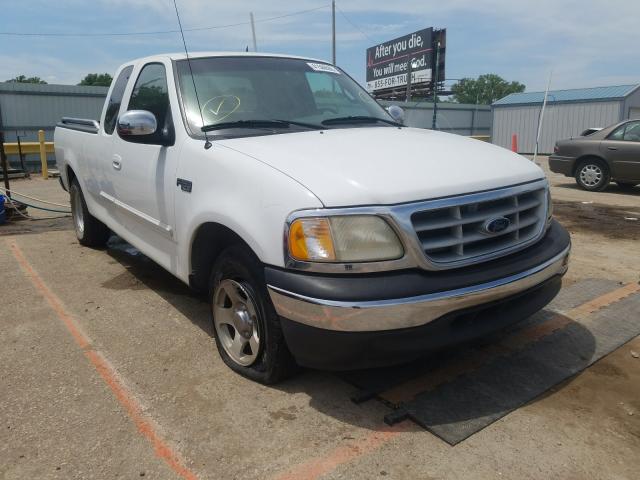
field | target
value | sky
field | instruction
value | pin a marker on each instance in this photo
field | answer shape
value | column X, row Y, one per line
column 584, row 43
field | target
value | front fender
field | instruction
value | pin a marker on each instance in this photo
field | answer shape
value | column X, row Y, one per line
column 239, row 192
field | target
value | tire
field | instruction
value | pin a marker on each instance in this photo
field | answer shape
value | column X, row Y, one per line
column 245, row 324
column 626, row 185
column 90, row 231
column 592, row 174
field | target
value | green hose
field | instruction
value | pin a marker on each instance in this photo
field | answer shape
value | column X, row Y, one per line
column 40, row 208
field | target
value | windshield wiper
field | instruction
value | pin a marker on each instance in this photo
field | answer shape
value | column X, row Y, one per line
column 301, row 124
column 257, row 124
column 358, row 119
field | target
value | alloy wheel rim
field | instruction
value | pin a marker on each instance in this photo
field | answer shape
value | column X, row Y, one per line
column 78, row 217
column 235, row 319
column 591, row 175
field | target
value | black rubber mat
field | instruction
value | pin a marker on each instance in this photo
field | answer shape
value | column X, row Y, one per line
column 458, row 392
column 375, row 381
column 457, row 409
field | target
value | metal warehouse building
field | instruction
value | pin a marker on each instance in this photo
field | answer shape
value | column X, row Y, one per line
column 26, row 108
column 568, row 113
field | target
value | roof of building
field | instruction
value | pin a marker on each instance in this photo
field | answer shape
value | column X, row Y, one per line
column 594, row 94
column 51, row 89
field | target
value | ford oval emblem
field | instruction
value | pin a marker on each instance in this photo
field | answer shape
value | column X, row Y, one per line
column 496, row 225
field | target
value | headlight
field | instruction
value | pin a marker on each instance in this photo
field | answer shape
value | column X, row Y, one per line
column 347, row 238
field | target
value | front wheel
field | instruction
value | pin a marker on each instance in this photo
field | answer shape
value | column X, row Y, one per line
column 245, row 324
column 593, row 175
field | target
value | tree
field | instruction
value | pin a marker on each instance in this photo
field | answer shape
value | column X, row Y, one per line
column 97, row 80
column 485, row 90
column 23, row 79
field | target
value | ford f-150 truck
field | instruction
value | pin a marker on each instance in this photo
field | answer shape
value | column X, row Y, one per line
column 325, row 233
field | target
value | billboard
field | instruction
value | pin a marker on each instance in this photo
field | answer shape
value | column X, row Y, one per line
column 388, row 62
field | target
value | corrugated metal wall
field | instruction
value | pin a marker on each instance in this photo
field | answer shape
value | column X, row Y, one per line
column 452, row 117
column 632, row 105
column 26, row 108
column 562, row 120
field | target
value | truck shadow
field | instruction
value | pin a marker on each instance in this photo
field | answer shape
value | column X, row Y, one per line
column 143, row 273
column 479, row 380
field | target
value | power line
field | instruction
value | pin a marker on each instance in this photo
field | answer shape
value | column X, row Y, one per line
column 158, row 32
column 354, row 25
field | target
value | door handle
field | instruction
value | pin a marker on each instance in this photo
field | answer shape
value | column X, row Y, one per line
column 612, row 148
column 116, row 162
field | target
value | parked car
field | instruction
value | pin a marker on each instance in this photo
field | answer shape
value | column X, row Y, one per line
column 324, row 233
column 612, row 153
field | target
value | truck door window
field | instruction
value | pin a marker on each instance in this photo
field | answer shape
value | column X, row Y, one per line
column 151, row 93
column 113, row 106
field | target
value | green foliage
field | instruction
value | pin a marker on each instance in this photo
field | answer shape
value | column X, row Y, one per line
column 97, row 80
column 484, row 90
column 23, row 79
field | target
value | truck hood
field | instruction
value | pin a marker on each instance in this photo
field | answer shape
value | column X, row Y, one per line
column 383, row 166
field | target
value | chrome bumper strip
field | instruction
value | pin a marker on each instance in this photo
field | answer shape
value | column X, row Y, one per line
column 411, row 311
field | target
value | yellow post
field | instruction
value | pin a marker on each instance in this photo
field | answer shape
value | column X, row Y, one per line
column 43, row 154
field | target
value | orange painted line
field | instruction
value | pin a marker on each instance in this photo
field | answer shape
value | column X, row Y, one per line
column 144, row 426
column 80, row 338
column 408, row 390
column 534, row 333
column 104, row 369
column 596, row 304
column 316, row 467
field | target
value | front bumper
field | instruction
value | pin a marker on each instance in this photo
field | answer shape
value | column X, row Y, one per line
column 319, row 312
column 335, row 350
column 560, row 164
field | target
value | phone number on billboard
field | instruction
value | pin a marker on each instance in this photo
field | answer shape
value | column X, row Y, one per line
column 394, row 81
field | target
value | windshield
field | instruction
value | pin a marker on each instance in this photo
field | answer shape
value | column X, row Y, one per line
column 240, row 89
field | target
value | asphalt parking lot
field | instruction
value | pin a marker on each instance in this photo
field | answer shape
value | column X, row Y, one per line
column 108, row 370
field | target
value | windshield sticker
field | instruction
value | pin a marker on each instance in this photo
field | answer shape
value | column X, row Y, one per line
column 323, row 67
column 218, row 108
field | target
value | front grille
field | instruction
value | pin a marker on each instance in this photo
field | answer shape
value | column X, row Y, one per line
column 456, row 233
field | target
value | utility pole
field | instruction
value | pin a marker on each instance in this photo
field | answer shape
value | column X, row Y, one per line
column 409, row 71
column 253, row 32
column 544, row 104
column 333, row 31
column 435, row 88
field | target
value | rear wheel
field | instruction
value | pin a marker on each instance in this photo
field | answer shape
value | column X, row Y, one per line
column 592, row 174
column 245, row 324
column 626, row 185
column 90, row 231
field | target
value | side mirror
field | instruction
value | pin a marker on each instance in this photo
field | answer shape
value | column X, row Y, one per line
column 397, row 113
column 136, row 123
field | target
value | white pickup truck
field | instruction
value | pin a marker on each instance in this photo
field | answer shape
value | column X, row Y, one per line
column 326, row 233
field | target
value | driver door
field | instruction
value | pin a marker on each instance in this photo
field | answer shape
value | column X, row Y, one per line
column 143, row 170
